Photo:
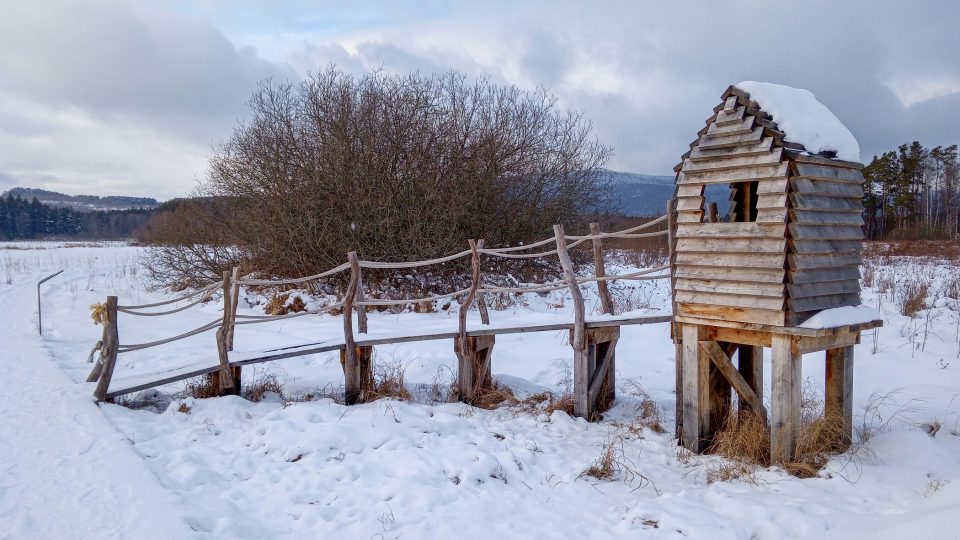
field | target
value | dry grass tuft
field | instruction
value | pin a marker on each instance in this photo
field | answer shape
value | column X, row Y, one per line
column 647, row 411
column 388, row 382
column 494, row 396
column 911, row 296
column 261, row 385
column 613, row 464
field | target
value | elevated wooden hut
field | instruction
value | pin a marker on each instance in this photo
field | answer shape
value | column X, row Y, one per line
column 789, row 245
column 787, row 250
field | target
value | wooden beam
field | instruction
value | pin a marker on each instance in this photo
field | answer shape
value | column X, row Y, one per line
column 839, row 390
column 726, row 367
column 785, row 402
column 603, row 379
column 750, row 366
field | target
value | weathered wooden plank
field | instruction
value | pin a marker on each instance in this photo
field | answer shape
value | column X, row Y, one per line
column 839, row 390
column 807, row 217
column 745, row 162
column 731, row 300
column 728, row 117
column 818, row 275
column 824, row 246
column 686, row 204
column 730, row 373
column 826, row 162
column 732, row 245
column 825, row 232
column 710, row 142
column 737, row 128
column 731, row 230
column 785, row 399
column 474, row 367
column 689, row 217
column 690, row 190
column 756, row 275
column 774, row 290
column 777, row 185
column 698, row 154
column 820, row 203
column 786, row 330
column 823, row 343
column 758, row 172
column 772, row 200
column 772, row 215
column 737, row 335
column 826, row 188
column 804, row 290
column 813, row 303
column 827, row 260
column 731, row 313
column 737, row 260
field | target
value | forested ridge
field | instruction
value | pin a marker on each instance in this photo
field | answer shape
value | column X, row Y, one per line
column 28, row 219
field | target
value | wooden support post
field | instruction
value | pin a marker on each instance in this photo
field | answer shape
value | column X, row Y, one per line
column 839, row 390
column 594, row 376
column 225, row 375
column 606, row 302
column 111, row 344
column 351, row 356
column 358, row 294
column 579, row 325
column 360, row 381
column 696, row 390
column 785, row 402
column 234, row 303
column 474, row 374
column 750, row 366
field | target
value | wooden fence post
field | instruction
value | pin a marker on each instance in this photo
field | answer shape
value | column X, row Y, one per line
column 356, row 361
column 578, row 338
column 358, row 295
column 111, row 343
column 606, row 302
column 225, row 375
column 474, row 354
column 234, row 304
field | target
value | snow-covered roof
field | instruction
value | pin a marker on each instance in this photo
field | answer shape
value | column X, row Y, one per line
column 803, row 119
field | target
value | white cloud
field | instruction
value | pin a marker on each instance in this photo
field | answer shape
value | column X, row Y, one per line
column 914, row 91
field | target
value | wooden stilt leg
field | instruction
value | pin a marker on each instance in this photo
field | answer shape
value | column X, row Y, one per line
column 839, row 390
column 594, row 377
column 696, row 390
column 785, row 406
column 750, row 366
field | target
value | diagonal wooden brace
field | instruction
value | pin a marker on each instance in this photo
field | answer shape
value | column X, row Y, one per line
column 725, row 366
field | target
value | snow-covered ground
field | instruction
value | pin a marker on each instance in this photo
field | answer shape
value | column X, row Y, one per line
column 230, row 468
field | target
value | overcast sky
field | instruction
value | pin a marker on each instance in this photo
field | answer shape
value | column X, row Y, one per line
column 118, row 97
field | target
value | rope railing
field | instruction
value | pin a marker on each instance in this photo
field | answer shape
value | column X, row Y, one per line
column 404, row 301
column 412, row 264
column 140, row 346
column 256, row 319
column 130, row 311
column 205, row 289
column 295, row 281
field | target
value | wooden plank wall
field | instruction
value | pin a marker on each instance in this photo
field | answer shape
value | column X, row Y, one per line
column 735, row 271
column 801, row 252
column 826, row 234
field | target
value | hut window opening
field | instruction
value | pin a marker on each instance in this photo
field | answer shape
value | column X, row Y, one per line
column 743, row 202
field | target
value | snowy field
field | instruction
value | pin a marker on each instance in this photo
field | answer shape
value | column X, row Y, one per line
column 231, row 468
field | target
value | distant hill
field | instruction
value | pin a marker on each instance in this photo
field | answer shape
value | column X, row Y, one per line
column 84, row 203
column 646, row 195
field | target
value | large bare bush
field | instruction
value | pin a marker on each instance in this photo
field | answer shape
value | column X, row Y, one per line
column 400, row 167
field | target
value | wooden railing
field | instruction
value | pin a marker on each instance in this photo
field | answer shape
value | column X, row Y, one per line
column 354, row 299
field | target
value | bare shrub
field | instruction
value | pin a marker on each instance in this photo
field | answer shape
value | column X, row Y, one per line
column 397, row 167
column 204, row 386
column 263, row 383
